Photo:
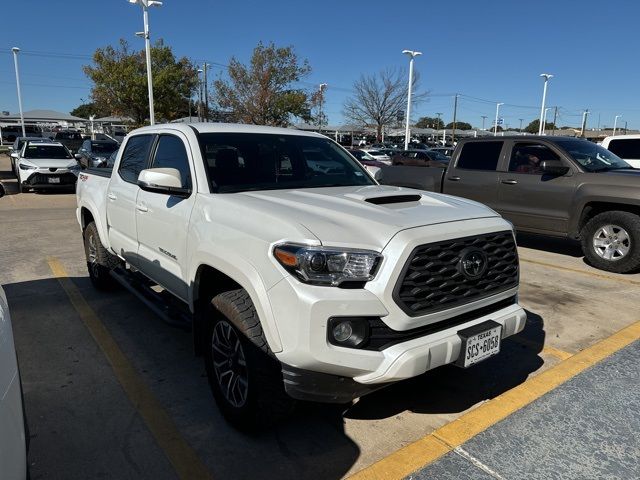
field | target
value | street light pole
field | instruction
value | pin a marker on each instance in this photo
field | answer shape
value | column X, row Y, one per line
column 521, row 119
column 321, row 89
column 206, row 93
column 15, row 51
column 615, row 123
column 584, row 122
column 407, row 133
column 546, row 77
column 544, row 120
column 200, row 112
column 147, row 45
column 495, row 127
column 484, row 117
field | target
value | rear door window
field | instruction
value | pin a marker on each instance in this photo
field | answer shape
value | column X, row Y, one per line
column 480, row 155
column 626, row 148
column 135, row 157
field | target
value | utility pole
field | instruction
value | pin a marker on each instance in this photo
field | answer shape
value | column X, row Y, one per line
column 555, row 116
column 439, row 114
column 484, row 117
column 321, row 90
column 455, row 113
column 584, row 122
column 206, row 94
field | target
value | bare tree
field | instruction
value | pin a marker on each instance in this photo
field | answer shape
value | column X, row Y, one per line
column 379, row 99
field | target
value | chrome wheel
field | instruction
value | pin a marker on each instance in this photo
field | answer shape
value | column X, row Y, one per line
column 229, row 364
column 611, row 242
column 92, row 252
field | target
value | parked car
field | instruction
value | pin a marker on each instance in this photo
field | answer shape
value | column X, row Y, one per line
column 297, row 283
column 446, row 151
column 13, row 131
column 560, row 186
column 13, row 426
column 70, row 139
column 46, row 165
column 627, row 147
column 371, row 164
column 94, row 153
column 378, row 155
column 420, row 158
column 16, row 148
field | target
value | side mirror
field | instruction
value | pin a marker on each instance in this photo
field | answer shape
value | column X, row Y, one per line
column 166, row 181
column 77, row 156
column 14, row 155
column 553, row 167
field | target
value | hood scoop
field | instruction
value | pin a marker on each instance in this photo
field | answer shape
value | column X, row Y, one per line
column 394, row 199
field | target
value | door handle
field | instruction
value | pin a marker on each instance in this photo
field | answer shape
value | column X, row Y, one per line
column 111, row 196
column 510, row 182
column 454, row 179
column 142, row 208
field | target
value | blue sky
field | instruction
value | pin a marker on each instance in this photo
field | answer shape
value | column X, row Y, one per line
column 490, row 51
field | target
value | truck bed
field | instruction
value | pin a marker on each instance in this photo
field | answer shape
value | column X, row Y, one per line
column 421, row 178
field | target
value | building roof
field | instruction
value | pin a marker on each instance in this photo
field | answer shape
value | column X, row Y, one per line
column 44, row 116
column 114, row 119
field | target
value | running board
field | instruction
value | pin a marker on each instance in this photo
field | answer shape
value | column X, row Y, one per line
column 153, row 300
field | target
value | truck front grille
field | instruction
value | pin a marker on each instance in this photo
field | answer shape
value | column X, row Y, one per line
column 434, row 279
column 43, row 179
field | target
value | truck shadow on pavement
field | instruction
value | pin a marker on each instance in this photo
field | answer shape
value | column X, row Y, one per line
column 82, row 431
column 562, row 246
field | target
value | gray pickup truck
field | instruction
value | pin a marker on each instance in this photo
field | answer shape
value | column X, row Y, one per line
column 558, row 186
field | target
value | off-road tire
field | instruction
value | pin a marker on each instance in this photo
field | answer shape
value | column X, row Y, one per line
column 627, row 220
column 100, row 267
column 266, row 400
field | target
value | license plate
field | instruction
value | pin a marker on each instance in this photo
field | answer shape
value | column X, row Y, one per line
column 479, row 343
column 53, row 179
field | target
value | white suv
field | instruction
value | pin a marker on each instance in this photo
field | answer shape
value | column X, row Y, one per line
column 46, row 165
column 627, row 147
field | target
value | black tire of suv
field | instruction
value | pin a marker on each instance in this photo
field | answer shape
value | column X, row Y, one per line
column 627, row 220
column 104, row 261
column 266, row 401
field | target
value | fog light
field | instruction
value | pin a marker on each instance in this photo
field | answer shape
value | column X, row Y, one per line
column 342, row 331
column 348, row 331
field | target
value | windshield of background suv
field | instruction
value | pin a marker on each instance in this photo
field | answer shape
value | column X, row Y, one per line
column 592, row 157
column 58, row 152
column 257, row 161
column 106, row 148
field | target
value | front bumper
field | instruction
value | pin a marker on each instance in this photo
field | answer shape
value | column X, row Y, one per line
column 303, row 312
column 44, row 178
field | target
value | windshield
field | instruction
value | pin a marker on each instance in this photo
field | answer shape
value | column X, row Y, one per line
column 33, row 150
column 439, row 156
column 239, row 162
column 592, row 157
column 106, row 148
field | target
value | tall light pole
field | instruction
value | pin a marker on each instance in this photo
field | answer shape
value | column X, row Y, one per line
column 206, row 94
column 495, row 127
column 200, row 112
column 546, row 77
column 484, row 117
column 15, row 51
column 585, row 114
column 412, row 54
column 521, row 119
column 615, row 123
column 321, row 88
column 145, row 6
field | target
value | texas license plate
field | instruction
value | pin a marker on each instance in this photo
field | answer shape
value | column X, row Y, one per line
column 53, row 179
column 479, row 343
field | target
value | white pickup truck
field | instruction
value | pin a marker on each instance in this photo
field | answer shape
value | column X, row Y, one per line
column 299, row 275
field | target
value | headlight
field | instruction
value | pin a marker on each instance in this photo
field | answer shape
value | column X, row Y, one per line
column 328, row 266
column 26, row 166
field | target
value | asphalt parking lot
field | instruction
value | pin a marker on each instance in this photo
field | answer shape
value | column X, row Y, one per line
column 113, row 392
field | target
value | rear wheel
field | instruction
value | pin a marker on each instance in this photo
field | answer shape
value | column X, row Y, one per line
column 99, row 261
column 611, row 241
column 244, row 375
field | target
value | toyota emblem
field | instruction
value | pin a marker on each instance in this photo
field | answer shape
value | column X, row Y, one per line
column 473, row 263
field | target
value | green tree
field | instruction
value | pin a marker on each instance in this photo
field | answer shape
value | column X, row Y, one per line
column 263, row 92
column 534, row 126
column 85, row 110
column 460, row 126
column 429, row 122
column 119, row 78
